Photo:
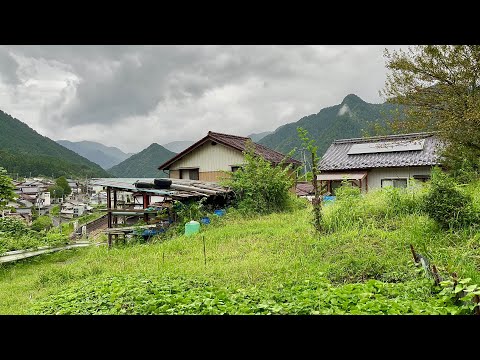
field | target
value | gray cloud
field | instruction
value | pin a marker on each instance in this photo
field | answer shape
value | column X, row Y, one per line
column 135, row 95
column 8, row 68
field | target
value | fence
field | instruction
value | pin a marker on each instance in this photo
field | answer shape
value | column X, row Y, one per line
column 94, row 225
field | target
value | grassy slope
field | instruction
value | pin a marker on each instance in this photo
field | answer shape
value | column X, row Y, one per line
column 263, row 253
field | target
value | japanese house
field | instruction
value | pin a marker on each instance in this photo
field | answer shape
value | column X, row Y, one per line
column 206, row 159
column 379, row 161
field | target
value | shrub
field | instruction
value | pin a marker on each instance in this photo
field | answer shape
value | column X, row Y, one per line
column 447, row 204
column 403, row 201
column 12, row 226
column 347, row 191
column 43, row 222
column 260, row 187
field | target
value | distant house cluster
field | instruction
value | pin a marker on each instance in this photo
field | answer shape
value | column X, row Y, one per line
column 33, row 195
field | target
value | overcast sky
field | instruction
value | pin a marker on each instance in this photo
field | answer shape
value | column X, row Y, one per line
column 132, row 96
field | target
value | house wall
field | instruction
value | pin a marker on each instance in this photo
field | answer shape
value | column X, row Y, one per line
column 46, row 198
column 211, row 176
column 174, row 174
column 208, row 158
column 375, row 176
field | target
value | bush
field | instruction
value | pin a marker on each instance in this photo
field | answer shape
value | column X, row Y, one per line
column 12, row 226
column 347, row 191
column 447, row 204
column 403, row 201
column 353, row 209
column 260, row 187
column 43, row 222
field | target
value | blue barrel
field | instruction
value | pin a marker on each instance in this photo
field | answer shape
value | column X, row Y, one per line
column 205, row 220
column 219, row 212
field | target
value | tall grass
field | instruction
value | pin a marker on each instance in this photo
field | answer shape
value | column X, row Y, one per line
column 367, row 240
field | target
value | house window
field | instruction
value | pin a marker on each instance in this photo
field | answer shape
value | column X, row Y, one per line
column 397, row 183
column 421, row 178
column 189, row 174
column 235, row 168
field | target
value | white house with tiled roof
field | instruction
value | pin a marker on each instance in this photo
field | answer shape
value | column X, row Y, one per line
column 215, row 153
column 380, row 161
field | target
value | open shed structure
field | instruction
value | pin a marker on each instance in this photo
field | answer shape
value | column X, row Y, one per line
column 147, row 203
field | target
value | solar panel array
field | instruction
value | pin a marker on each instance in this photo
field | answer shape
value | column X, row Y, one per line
column 386, row 146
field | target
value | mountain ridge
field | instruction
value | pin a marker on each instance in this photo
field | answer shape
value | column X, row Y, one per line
column 26, row 152
column 105, row 156
column 350, row 118
column 144, row 164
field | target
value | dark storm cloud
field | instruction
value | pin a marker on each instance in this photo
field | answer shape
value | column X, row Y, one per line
column 143, row 94
column 116, row 82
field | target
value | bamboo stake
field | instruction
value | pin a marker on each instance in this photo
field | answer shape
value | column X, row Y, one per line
column 204, row 250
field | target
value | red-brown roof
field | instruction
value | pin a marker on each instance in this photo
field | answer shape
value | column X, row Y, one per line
column 304, row 188
column 235, row 142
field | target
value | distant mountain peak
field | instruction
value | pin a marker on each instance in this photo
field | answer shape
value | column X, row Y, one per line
column 144, row 164
column 352, row 99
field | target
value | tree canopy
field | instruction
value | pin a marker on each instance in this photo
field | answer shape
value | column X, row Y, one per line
column 439, row 84
column 6, row 188
column 63, row 183
column 56, row 191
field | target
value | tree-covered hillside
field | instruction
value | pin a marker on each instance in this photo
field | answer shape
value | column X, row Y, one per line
column 144, row 164
column 346, row 120
column 24, row 151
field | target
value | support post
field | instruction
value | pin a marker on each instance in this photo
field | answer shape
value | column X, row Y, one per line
column 109, row 216
column 145, row 205
column 115, row 220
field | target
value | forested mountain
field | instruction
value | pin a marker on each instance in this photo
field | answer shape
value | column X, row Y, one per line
column 345, row 120
column 259, row 136
column 144, row 164
column 23, row 151
column 105, row 156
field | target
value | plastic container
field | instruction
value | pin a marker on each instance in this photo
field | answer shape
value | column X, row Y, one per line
column 205, row 220
column 219, row 212
column 192, row 227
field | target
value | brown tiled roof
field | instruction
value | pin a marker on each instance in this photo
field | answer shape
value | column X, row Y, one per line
column 304, row 188
column 235, row 142
column 337, row 158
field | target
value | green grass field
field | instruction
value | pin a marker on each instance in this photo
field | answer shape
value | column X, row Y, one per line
column 264, row 265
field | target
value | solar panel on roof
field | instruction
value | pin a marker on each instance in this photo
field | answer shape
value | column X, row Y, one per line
column 386, row 146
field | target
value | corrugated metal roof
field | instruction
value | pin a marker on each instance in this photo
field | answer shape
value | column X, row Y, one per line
column 128, row 186
column 337, row 158
column 180, row 188
column 236, row 142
